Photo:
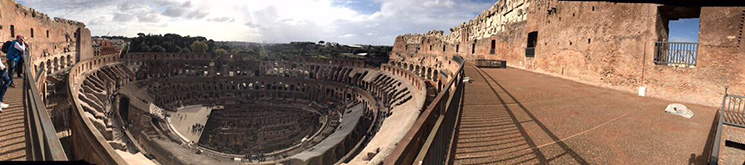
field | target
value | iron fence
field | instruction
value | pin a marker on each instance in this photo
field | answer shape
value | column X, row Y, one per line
column 676, row 53
column 431, row 139
column 42, row 143
column 731, row 114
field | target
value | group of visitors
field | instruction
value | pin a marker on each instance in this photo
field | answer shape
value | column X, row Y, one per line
column 196, row 128
column 14, row 54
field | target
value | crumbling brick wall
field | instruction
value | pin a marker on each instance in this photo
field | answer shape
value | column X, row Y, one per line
column 605, row 44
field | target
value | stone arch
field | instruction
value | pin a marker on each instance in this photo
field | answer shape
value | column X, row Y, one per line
column 429, row 73
column 49, row 67
column 56, row 64
column 63, row 63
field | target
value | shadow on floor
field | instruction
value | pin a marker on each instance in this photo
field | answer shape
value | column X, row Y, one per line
column 508, row 153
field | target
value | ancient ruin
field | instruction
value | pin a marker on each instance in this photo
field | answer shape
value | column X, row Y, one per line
column 623, row 46
column 525, row 82
column 311, row 111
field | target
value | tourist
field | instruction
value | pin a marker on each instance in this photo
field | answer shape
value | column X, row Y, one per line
column 19, row 67
column 4, row 82
column 15, row 52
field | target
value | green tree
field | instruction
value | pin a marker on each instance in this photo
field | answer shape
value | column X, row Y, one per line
column 221, row 52
column 236, row 50
column 158, row 48
column 199, row 47
column 145, row 48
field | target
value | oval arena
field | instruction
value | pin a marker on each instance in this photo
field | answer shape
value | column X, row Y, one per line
column 190, row 108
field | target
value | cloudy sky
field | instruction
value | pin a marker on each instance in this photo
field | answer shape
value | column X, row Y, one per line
column 346, row 21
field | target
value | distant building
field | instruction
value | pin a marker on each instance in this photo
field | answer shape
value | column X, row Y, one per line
column 103, row 46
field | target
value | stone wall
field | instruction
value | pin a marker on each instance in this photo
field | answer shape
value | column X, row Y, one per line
column 605, row 44
column 51, row 39
column 88, row 142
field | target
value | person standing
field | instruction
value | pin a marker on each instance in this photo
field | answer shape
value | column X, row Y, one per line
column 4, row 83
column 19, row 66
column 15, row 52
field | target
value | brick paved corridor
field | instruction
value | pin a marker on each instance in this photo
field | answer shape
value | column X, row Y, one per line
column 512, row 116
column 12, row 136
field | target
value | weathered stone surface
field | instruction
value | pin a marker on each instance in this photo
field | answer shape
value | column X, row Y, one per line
column 604, row 44
column 679, row 109
column 55, row 44
column 307, row 111
column 512, row 116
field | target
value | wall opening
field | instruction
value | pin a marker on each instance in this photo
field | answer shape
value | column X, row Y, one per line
column 124, row 108
column 473, row 47
column 12, row 31
column 678, row 30
column 457, row 48
column 532, row 43
column 742, row 23
column 32, row 32
column 493, row 46
column 47, row 33
column 443, row 47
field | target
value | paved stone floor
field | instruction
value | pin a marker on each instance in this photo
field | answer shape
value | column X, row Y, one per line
column 185, row 118
column 512, row 116
column 12, row 136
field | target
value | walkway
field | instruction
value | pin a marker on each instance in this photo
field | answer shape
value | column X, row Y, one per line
column 12, row 136
column 512, row 116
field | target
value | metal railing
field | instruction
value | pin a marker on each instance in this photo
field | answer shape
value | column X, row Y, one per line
column 42, row 143
column 530, row 52
column 732, row 114
column 676, row 53
column 430, row 140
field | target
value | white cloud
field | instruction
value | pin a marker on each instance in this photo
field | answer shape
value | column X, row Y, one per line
column 222, row 19
column 174, row 11
column 270, row 21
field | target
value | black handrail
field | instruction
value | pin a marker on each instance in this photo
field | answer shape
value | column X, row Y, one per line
column 42, row 143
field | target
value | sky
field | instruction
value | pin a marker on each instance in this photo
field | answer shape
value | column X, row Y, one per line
column 684, row 30
column 375, row 22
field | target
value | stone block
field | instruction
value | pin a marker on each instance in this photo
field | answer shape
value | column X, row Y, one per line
column 680, row 110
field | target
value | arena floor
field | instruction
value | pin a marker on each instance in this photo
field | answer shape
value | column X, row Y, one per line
column 185, row 118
